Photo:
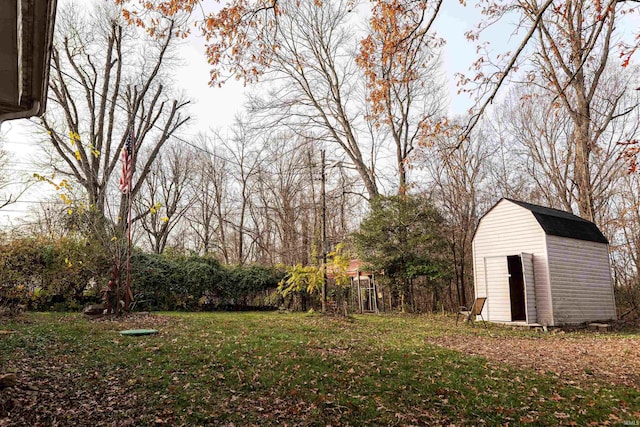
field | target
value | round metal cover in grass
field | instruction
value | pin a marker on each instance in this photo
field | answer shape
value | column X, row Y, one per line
column 138, row 332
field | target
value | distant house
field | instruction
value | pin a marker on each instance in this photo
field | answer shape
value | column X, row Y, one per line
column 538, row 265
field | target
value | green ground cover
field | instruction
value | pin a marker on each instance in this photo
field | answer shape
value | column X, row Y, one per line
column 285, row 369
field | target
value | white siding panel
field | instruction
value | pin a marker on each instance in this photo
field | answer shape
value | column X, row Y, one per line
column 582, row 288
column 498, row 305
column 530, row 289
column 510, row 229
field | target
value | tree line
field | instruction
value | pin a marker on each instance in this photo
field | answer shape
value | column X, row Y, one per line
column 374, row 100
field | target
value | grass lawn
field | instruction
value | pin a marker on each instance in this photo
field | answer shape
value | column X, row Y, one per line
column 299, row 369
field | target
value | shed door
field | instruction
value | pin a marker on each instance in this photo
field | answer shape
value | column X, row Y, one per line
column 529, row 288
column 498, row 306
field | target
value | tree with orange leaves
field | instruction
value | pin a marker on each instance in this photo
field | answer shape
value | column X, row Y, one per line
column 567, row 42
column 399, row 59
column 398, row 56
column 232, row 28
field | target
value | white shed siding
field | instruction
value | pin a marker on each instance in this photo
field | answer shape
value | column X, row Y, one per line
column 582, row 288
column 530, row 287
column 497, row 289
column 509, row 229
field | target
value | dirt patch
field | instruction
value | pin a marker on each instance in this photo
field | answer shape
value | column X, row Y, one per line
column 574, row 359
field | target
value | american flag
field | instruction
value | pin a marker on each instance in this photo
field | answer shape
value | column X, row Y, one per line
column 126, row 163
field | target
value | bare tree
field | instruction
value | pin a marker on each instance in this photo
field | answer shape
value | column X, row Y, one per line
column 103, row 89
column 506, row 175
column 285, row 194
column 457, row 182
column 11, row 189
column 568, row 47
column 166, row 195
column 344, row 203
column 405, row 92
column 574, row 48
column 624, row 229
column 209, row 212
column 543, row 137
column 314, row 80
column 244, row 162
column 535, row 133
column 48, row 220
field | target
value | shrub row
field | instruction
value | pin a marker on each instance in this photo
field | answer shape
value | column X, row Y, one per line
column 67, row 273
column 166, row 282
column 45, row 274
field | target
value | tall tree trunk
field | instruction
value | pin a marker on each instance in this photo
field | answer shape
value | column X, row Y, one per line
column 582, row 141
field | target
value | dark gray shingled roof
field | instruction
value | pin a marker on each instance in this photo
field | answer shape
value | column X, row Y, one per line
column 563, row 224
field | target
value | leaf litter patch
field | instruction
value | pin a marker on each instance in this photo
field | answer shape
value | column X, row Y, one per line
column 574, row 358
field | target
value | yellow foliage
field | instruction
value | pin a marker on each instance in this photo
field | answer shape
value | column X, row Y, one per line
column 94, row 151
column 155, row 208
column 64, row 184
column 301, row 278
column 338, row 262
column 73, row 137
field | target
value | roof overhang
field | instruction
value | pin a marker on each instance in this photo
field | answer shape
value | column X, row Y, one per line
column 354, row 270
column 26, row 37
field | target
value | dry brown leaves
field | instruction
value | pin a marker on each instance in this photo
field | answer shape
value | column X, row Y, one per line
column 51, row 391
column 572, row 357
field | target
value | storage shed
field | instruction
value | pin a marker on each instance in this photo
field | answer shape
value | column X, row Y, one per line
column 538, row 265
